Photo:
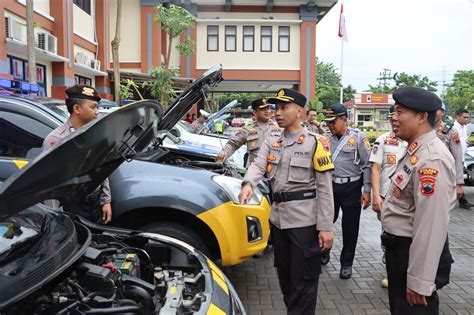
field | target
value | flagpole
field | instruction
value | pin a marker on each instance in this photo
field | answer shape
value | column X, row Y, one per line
column 341, row 93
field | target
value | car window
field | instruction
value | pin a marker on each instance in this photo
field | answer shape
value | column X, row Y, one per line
column 19, row 134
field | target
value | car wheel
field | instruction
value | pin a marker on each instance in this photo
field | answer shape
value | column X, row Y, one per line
column 180, row 232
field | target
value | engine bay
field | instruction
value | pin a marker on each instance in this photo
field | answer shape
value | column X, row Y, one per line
column 123, row 275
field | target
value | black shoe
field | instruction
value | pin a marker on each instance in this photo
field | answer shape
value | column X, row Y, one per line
column 346, row 272
column 325, row 257
column 466, row 206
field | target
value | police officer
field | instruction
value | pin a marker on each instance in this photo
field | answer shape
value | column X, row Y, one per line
column 253, row 135
column 350, row 150
column 388, row 149
column 450, row 138
column 198, row 123
column 311, row 123
column 298, row 164
column 415, row 215
column 82, row 104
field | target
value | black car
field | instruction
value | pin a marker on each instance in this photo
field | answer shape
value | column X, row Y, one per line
column 56, row 262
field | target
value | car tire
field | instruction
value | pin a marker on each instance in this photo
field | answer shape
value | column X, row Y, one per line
column 180, row 232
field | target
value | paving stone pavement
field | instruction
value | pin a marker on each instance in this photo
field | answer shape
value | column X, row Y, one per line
column 257, row 284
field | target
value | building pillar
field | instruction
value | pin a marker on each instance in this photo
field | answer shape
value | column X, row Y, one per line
column 102, row 22
column 309, row 16
column 4, row 65
column 63, row 72
column 150, row 37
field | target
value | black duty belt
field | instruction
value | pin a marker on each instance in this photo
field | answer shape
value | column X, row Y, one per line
column 394, row 241
column 285, row 196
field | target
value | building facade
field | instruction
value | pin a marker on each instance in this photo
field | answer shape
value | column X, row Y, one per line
column 370, row 110
column 262, row 44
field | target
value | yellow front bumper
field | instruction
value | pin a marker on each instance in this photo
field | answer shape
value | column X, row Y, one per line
column 228, row 221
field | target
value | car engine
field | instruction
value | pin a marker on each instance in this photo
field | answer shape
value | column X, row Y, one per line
column 114, row 277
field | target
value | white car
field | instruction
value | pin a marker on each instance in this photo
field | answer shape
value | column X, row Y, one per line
column 209, row 143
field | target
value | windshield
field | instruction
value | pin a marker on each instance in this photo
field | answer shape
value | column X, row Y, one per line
column 58, row 108
column 185, row 126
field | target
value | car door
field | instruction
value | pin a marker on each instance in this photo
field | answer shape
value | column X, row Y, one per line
column 22, row 130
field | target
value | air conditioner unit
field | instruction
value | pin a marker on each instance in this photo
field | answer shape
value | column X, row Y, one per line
column 95, row 64
column 15, row 29
column 47, row 42
column 81, row 58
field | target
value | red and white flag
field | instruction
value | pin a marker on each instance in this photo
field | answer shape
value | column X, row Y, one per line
column 342, row 33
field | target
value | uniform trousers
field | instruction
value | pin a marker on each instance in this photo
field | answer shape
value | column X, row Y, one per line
column 298, row 263
column 396, row 261
column 347, row 197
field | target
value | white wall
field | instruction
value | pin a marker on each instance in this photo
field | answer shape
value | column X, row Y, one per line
column 130, row 44
column 84, row 24
column 248, row 60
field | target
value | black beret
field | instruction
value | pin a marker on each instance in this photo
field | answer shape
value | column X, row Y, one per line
column 83, row 92
column 418, row 99
column 260, row 103
column 334, row 111
column 289, row 96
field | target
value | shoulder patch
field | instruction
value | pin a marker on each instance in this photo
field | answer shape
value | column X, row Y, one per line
column 455, row 137
column 366, row 143
column 428, row 180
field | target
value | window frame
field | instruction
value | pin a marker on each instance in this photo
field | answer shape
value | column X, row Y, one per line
column 244, row 36
column 213, row 35
column 234, row 36
column 266, row 36
column 284, row 36
column 84, row 5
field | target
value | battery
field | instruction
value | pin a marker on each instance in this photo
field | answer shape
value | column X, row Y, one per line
column 128, row 264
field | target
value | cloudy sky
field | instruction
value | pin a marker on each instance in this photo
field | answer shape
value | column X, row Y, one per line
column 430, row 37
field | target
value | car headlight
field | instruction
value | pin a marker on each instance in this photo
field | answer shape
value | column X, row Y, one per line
column 232, row 187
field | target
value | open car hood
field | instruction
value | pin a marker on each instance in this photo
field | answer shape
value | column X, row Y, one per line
column 79, row 163
column 193, row 94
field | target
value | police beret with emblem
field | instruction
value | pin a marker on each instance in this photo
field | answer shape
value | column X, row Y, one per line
column 334, row 111
column 289, row 96
column 417, row 99
column 260, row 103
column 83, row 92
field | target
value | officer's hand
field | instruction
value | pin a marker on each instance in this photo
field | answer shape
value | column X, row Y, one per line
column 220, row 157
column 366, row 200
column 107, row 213
column 414, row 298
column 377, row 203
column 245, row 194
column 325, row 240
column 459, row 191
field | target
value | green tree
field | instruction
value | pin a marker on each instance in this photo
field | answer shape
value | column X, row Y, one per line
column 460, row 94
column 174, row 21
column 328, row 83
column 244, row 99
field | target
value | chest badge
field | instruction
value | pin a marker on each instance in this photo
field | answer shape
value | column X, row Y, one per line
column 351, row 141
column 391, row 159
column 276, row 145
column 414, row 159
column 397, row 192
column 271, row 157
column 301, row 138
